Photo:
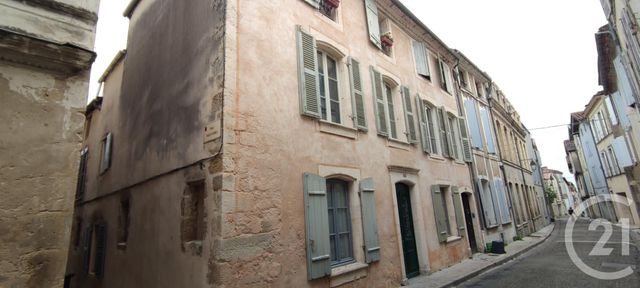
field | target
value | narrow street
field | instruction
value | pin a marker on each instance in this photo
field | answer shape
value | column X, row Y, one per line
column 549, row 264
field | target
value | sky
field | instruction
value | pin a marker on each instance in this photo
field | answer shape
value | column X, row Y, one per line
column 542, row 54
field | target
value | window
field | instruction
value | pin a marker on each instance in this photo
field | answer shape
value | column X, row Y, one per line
column 462, row 77
column 330, row 242
column 445, row 81
column 123, row 221
column 470, row 106
column 431, row 125
column 82, row 174
column 610, row 111
column 77, row 235
column 615, row 168
column 487, row 203
column 386, row 38
column 107, row 145
column 421, row 58
column 328, row 83
column 444, row 199
column 479, row 90
column 390, row 108
column 340, row 235
column 486, row 125
column 455, row 133
column 445, row 133
column 95, row 250
column 193, row 226
column 329, row 8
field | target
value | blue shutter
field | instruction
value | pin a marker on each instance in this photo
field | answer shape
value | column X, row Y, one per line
column 309, row 88
column 502, row 201
column 473, row 121
column 369, row 223
column 317, row 226
column 487, row 126
column 357, row 95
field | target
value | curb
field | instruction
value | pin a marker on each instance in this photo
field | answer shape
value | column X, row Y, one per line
column 497, row 263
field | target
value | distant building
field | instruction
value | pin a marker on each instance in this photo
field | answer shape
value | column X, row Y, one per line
column 46, row 52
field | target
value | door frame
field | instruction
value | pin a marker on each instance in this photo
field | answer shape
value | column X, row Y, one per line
column 471, row 202
column 410, row 178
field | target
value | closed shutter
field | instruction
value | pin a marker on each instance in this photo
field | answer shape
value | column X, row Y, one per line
column 82, row 175
column 357, row 96
column 317, row 226
column 372, row 22
column 86, row 249
column 453, row 142
column 487, row 126
column 421, row 58
column 408, row 116
column 505, row 215
column 379, row 106
column 466, row 146
column 106, row 156
column 308, row 74
column 101, row 249
column 314, row 3
column 438, row 208
column 447, row 76
column 487, row 206
column 444, row 135
column 424, row 131
column 457, row 206
column 369, row 223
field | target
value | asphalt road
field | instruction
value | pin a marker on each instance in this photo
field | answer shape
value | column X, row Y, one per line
column 549, row 264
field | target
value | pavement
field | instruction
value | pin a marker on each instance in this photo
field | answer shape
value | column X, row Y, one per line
column 479, row 263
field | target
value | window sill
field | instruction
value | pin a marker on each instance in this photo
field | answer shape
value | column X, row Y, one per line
column 436, row 157
column 122, row 245
column 451, row 239
column 337, row 129
column 395, row 143
column 347, row 273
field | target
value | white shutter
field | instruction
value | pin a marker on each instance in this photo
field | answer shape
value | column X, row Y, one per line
column 372, row 22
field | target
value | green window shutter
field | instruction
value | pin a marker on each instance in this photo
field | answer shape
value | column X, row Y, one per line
column 466, row 145
column 453, row 145
column 424, row 131
column 313, row 3
column 438, row 209
column 308, row 74
column 316, row 218
column 447, row 76
column 408, row 116
column 379, row 106
column 369, row 223
column 444, row 135
column 357, row 96
column 101, row 249
column 421, row 58
column 457, row 206
column 372, row 22
column 86, row 249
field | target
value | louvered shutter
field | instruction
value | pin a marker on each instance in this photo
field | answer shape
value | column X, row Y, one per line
column 82, row 174
column 487, row 206
column 86, row 249
column 502, row 199
column 444, row 135
column 409, row 117
column 447, row 76
column 438, row 209
column 101, row 250
column 308, row 74
column 379, row 106
column 372, row 22
column 421, row 58
column 357, row 95
column 424, row 131
column 314, row 3
column 464, row 136
column 106, row 156
column 317, row 226
column 369, row 223
column 457, row 206
column 453, row 144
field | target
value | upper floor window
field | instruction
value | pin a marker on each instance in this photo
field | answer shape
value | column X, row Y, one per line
column 328, row 83
column 107, row 147
column 445, row 80
column 430, row 115
column 340, row 236
column 327, row 8
column 462, row 77
column 421, row 58
column 455, row 134
column 82, row 174
column 388, row 91
column 479, row 89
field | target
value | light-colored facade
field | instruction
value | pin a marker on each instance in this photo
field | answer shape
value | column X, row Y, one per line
column 46, row 52
column 553, row 180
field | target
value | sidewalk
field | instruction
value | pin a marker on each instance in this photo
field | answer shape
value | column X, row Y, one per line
column 470, row 268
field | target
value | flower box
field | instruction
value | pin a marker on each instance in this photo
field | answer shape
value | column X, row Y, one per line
column 332, row 3
column 386, row 40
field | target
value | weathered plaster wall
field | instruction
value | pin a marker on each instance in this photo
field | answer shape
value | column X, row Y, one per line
column 268, row 146
column 41, row 116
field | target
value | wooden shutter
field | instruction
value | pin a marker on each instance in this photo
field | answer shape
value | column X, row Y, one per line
column 308, row 85
column 106, row 153
column 439, row 211
column 101, row 249
column 314, row 3
column 444, row 136
column 409, row 116
column 447, row 76
column 357, row 96
column 457, row 206
column 86, row 249
column 467, row 155
column 82, row 174
column 379, row 103
column 372, row 22
column 486, row 199
column 421, row 58
column 424, row 130
column 505, row 216
column 317, row 226
column 369, row 223
column 453, row 144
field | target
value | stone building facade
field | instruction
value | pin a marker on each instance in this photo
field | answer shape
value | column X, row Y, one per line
column 329, row 149
column 46, row 52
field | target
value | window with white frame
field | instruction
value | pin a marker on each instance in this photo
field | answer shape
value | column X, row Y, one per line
column 329, row 87
column 328, row 8
column 615, row 167
column 462, row 77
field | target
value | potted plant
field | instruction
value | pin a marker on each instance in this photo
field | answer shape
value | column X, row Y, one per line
column 386, row 39
column 333, row 3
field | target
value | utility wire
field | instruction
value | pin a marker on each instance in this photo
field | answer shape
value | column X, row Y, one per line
column 547, row 127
